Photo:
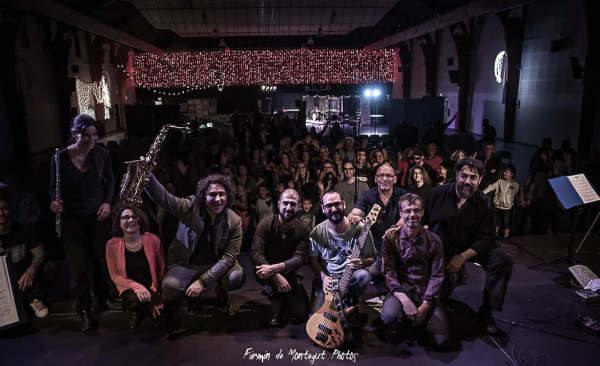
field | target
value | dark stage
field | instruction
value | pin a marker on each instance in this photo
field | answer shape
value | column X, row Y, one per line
column 540, row 318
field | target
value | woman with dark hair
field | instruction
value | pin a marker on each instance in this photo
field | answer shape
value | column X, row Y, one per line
column 87, row 187
column 446, row 172
column 458, row 155
column 285, row 169
column 337, row 159
column 419, row 183
column 137, row 266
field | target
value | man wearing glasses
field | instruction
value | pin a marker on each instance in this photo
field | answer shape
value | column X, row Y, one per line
column 463, row 217
column 329, row 246
column 350, row 188
column 413, row 266
column 203, row 254
column 386, row 195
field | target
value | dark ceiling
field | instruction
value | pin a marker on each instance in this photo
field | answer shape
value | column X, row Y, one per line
column 288, row 23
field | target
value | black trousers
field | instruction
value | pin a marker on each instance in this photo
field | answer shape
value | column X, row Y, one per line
column 295, row 301
column 498, row 267
column 132, row 303
column 84, row 240
column 435, row 324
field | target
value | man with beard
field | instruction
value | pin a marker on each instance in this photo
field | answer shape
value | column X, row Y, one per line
column 386, row 195
column 463, row 217
column 330, row 243
column 350, row 188
column 278, row 251
column 203, row 254
column 413, row 266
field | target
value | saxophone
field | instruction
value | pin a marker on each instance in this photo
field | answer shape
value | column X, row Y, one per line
column 136, row 177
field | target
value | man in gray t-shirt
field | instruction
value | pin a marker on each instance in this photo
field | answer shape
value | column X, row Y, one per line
column 349, row 188
column 330, row 243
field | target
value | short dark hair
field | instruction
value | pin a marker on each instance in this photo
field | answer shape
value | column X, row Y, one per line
column 511, row 168
column 205, row 183
column 410, row 198
column 290, row 189
column 488, row 143
column 472, row 163
column 332, row 191
column 118, row 232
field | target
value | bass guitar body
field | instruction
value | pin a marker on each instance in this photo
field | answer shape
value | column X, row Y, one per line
column 325, row 327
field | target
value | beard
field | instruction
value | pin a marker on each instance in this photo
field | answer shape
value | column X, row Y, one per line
column 465, row 190
column 335, row 217
column 287, row 216
column 412, row 223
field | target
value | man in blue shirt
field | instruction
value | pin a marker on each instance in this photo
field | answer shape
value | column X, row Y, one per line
column 386, row 195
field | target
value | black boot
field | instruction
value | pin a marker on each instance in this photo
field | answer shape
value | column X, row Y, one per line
column 87, row 322
column 135, row 318
column 275, row 311
column 487, row 321
column 194, row 305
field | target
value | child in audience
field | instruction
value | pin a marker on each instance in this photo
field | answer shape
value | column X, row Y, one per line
column 507, row 191
column 307, row 214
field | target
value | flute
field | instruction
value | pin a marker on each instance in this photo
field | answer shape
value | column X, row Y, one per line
column 57, row 192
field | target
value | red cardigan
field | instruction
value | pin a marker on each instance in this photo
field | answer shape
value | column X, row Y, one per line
column 115, row 259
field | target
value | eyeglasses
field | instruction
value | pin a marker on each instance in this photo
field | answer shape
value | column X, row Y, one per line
column 331, row 205
column 409, row 211
column 386, row 176
column 128, row 217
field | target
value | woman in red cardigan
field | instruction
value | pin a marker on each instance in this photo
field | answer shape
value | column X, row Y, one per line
column 137, row 266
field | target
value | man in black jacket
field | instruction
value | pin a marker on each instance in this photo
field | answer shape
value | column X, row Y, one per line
column 278, row 251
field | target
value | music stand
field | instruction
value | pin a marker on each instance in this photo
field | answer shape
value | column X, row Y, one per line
column 573, row 192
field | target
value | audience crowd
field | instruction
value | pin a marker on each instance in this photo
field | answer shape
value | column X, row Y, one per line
column 262, row 157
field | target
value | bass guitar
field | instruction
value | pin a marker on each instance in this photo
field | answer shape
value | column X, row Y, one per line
column 327, row 327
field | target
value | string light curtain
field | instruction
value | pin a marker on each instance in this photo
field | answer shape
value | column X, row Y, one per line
column 262, row 67
column 86, row 92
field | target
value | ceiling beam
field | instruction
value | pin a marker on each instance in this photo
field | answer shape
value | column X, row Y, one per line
column 462, row 14
column 65, row 15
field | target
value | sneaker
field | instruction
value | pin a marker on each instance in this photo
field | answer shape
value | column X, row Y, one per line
column 39, row 309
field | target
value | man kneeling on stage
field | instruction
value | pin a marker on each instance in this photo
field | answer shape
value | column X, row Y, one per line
column 330, row 243
column 203, row 254
column 413, row 266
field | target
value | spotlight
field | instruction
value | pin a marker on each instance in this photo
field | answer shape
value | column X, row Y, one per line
column 263, row 87
column 274, row 87
column 368, row 93
column 376, row 92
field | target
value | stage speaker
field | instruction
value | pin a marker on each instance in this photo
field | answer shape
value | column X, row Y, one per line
column 576, row 68
column 453, row 74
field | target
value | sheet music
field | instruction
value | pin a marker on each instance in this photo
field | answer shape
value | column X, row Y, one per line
column 8, row 307
column 583, row 274
column 583, row 188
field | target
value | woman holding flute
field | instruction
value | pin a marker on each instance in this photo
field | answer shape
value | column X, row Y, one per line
column 87, row 188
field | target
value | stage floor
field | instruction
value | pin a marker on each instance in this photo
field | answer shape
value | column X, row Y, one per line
column 540, row 318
